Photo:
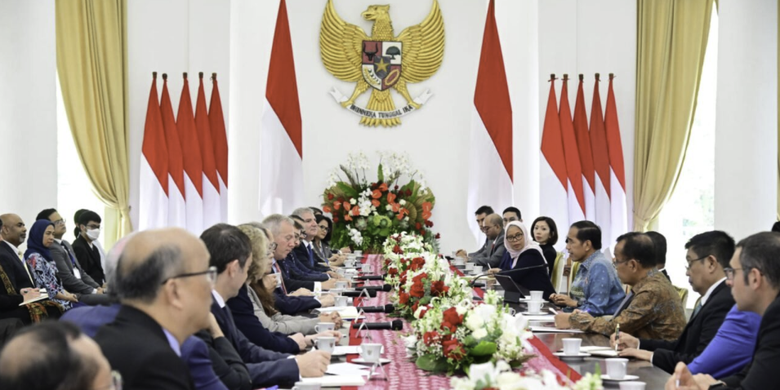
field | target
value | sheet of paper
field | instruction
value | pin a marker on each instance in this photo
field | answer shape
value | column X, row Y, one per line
column 604, row 352
column 336, row 380
column 346, row 313
column 548, row 318
column 550, row 329
column 42, row 297
column 346, row 369
column 346, row 350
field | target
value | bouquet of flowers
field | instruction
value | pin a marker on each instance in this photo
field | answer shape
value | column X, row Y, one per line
column 450, row 338
column 366, row 212
column 500, row 376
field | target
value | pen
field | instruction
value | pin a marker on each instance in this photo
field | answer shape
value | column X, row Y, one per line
column 553, row 310
column 617, row 337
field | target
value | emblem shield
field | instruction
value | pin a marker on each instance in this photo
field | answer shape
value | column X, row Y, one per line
column 382, row 63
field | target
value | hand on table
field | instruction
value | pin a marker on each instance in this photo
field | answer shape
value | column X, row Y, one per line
column 461, row 253
column 345, row 250
column 329, row 284
column 328, row 333
column 301, row 340
column 334, row 317
column 327, row 300
column 636, row 353
column 626, row 341
column 563, row 300
column 332, row 274
column 493, row 271
column 687, row 381
column 302, row 292
column 313, row 364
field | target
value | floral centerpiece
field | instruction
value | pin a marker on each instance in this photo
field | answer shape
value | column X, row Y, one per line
column 501, row 377
column 366, row 212
column 450, row 338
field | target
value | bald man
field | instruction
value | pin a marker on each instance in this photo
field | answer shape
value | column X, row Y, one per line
column 493, row 226
column 164, row 282
column 14, row 232
column 71, row 361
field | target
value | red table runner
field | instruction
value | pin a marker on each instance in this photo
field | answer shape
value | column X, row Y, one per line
column 402, row 373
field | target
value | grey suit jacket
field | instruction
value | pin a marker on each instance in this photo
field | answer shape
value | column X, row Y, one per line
column 481, row 251
column 493, row 253
column 85, row 285
column 281, row 322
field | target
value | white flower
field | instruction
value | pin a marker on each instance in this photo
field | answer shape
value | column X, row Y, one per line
column 402, row 202
column 353, row 201
column 480, row 334
column 389, row 208
column 474, row 322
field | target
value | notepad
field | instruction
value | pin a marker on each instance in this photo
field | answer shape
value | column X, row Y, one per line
column 550, row 329
column 599, row 351
column 42, row 297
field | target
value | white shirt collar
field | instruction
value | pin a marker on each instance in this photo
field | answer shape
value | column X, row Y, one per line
column 58, row 240
column 306, row 243
column 709, row 291
column 218, row 298
column 16, row 250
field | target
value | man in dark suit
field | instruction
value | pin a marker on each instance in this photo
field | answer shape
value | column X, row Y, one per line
column 708, row 254
column 86, row 251
column 480, row 214
column 163, row 281
column 494, row 229
column 14, row 232
column 660, row 252
column 231, row 252
column 73, row 277
column 754, row 277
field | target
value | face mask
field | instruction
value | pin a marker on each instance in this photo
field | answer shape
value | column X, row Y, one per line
column 93, row 234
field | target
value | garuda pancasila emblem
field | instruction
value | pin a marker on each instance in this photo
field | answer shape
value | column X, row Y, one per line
column 381, row 61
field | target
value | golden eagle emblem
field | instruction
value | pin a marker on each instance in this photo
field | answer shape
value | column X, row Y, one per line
column 381, row 61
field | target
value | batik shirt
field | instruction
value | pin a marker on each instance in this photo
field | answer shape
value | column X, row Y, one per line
column 596, row 287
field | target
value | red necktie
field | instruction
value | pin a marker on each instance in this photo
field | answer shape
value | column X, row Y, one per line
column 276, row 270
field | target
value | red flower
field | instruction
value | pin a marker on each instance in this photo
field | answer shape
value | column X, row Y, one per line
column 415, row 306
column 431, row 338
column 396, row 188
column 327, row 209
column 331, row 196
column 437, row 236
column 427, row 207
column 423, row 311
column 392, row 271
column 387, row 263
column 376, row 194
column 417, row 226
column 403, row 278
column 453, row 349
column 375, row 202
column 403, row 298
column 451, row 319
column 397, row 249
column 417, row 263
column 335, row 219
column 408, row 192
column 438, row 288
column 417, row 290
column 428, row 223
column 383, row 187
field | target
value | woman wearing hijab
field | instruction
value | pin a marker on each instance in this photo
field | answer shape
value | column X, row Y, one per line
column 41, row 263
column 525, row 257
column 596, row 288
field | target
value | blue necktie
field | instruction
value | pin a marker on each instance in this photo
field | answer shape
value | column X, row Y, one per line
column 311, row 255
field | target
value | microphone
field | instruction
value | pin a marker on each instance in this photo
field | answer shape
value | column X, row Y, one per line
column 478, row 277
column 357, row 293
column 371, row 277
column 385, row 288
column 508, row 272
column 395, row 325
column 389, row 308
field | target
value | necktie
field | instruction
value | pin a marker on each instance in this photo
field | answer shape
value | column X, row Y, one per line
column 276, row 270
column 72, row 259
column 24, row 263
column 696, row 308
column 311, row 254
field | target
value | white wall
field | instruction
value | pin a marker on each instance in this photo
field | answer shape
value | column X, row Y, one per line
column 746, row 123
column 28, row 108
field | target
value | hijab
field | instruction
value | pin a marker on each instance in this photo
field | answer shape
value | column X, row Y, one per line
column 530, row 244
column 35, row 242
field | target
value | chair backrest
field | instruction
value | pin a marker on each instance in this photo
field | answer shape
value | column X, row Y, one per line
column 683, row 293
column 557, row 270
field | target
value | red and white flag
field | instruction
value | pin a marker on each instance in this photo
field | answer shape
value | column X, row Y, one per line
column 598, row 141
column 575, row 193
column 490, row 163
column 193, row 162
column 153, row 201
column 219, row 138
column 586, row 156
column 617, row 173
column 211, row 202
column 177, row 213
column 281, row 143
column 553, row 175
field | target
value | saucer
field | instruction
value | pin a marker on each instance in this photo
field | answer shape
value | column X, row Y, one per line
column 580, row 355
column 361, row 361
column 625, row 378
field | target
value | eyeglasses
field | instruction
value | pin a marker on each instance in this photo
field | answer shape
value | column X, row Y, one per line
column 615, row 262
column 730, row 272
column 688, row 267
column 516, row 237
column 116, row 382
column 211, row 275
column 59, row 222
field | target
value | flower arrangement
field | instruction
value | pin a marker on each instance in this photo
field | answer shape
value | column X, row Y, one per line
column 500, row 376
column 450, row 338
column 366, row 212
column 422, row 279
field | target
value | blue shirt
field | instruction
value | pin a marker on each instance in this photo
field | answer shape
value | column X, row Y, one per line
column 596, row 287
column 732, row 347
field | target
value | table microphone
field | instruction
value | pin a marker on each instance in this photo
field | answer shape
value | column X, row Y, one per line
column 389, row 308
column 358, row 293
column 371, row 277
column 395, row 325
column 508, row 272
column 385, row 288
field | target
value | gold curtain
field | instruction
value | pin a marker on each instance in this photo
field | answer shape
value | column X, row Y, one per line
column 92, row 67
column 671, row 41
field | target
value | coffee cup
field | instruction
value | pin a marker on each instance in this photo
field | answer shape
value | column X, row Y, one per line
column 476, row 270
column 306, row 386
column 511, row 311
column 326, row 344
column 616, row 367
column 341, row 301
column 370, row 352
column 358, row 253
column 632, row 385
column 324, row 327
column 536, row 295
column 278, row 280
column 341, row 271
column 366, row 268
column 341, row 285
column 534, row 306
column 571, row 346
column 469, row 266
column 350, row 263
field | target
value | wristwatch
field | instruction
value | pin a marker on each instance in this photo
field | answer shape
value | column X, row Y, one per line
column 718, row 385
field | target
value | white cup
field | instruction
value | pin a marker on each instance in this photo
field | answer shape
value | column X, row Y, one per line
column 366, row 268
column 632, row 385
column 306, row 386
column 616, row 368
column 534, row 306
column 536, row 295
column 459, row 261
column 571, row 346
column 469, row 266
column 278, row 280
column 324, row 326
column 370, row 352
column 341, row 271
column 349, row 263
column 341, row 285
column 477, row 269
column 326, row 344
column 358, row 253
column 341, row 301
column 511, row 311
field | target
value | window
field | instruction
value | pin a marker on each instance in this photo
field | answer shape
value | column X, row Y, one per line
column 74, row 191
column 690, row 209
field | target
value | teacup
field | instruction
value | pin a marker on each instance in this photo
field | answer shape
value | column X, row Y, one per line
column 477, row 269
column 534, row 306
column 350, row 263
column 326, row 344
column 632, row 385
column 616, row 367
column 341, row 301
column 536, row 295
column 571, row 346
column 341, row 271
column 324, row 327
column 365, row 268
column 341, row 285
column 370, row 352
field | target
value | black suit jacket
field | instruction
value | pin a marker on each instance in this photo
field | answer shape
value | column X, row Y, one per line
column 293, row 305
column 228, row 366
column 700, row 330
column 760, row 373
column 302, row 254
column 266, row 368
column 89, row 258
column 14, row 268
column 290, row 283
column 136, row 346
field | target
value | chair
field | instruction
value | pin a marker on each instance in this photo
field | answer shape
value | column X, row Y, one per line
column 683, row 293
column 557, row 270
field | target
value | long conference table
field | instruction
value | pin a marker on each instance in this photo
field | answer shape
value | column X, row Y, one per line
column 401, row 372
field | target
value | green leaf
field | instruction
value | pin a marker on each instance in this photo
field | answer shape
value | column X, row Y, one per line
column 484, row 348
column 432, row 363
column 380, row 175
column 348, row 190
column 469, row 341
